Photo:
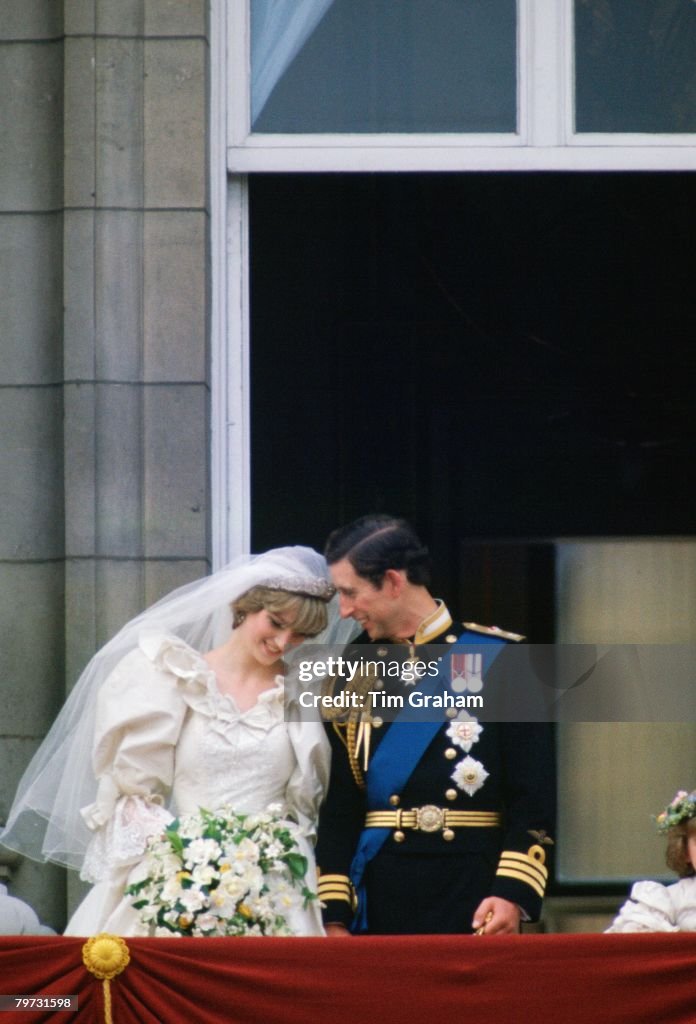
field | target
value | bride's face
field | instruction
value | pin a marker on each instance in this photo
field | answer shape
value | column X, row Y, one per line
column 269, row 634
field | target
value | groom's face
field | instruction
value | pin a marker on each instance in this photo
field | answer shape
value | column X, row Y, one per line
column 374, row 608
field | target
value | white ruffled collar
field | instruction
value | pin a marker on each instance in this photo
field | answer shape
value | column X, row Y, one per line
column 199, row 687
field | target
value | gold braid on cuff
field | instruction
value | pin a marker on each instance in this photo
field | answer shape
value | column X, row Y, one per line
column 336, row 887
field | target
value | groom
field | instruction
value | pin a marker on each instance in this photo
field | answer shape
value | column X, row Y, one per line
column 427, row 827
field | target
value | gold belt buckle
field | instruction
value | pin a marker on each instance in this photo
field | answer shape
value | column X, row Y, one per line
column 430, row 818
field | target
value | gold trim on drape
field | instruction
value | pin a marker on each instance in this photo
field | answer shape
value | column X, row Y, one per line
column 105, row 956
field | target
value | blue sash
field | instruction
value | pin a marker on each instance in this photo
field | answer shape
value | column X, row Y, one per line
column 397, row 756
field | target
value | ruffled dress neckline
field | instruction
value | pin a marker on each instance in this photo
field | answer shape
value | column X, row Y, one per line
column 199, row 686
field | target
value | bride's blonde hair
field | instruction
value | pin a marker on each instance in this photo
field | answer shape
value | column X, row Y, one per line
column 308, row 612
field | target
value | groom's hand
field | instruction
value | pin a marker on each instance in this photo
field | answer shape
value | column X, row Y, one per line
column 496, row 916
column 337, row 931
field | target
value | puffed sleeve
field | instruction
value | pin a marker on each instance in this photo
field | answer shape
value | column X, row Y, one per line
column 309, row 781
column 649, row 909
column 140, row 713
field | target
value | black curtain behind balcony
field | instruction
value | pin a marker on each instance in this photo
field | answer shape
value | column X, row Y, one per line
column 502, row 358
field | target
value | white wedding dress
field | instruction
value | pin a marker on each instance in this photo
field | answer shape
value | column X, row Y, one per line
column 167, row 742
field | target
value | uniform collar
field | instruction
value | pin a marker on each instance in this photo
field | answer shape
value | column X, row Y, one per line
column 436, row 623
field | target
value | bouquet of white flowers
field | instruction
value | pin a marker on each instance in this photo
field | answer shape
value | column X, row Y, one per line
column 221, row 873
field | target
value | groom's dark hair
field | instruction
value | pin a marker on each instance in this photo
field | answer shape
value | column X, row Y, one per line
column 375, row 543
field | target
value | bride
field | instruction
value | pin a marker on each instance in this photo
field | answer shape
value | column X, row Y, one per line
column 183, row 709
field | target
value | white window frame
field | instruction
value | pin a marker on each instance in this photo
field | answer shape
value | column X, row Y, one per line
column 230, row 448
column 546, row 141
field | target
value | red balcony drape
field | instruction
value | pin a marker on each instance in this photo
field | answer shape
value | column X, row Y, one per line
column 605, row 979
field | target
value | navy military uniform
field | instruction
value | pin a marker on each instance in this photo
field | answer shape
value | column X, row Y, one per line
column 448, row 843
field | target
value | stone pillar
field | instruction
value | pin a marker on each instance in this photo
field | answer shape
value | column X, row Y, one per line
column 108, row 405
column 135, row 358
column 32, row 532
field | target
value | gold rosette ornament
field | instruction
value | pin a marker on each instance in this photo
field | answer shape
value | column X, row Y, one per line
column 105, row 956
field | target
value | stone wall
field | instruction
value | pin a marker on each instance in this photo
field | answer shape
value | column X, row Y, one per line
column 104, row 392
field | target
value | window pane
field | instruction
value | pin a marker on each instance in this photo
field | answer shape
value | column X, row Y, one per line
column 390, row 66
column 635, row 65
column 626, row 590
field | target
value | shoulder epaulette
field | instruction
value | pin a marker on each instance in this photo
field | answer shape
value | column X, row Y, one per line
column 514, row 638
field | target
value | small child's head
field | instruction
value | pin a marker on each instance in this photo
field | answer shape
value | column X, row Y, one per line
column 678, row 823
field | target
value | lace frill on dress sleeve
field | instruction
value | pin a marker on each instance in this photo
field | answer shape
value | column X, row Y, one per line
column 140, row 712
column 649, row 909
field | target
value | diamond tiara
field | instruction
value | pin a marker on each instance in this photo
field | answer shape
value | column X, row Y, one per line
column 310, row 586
